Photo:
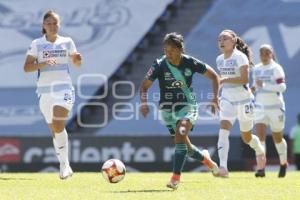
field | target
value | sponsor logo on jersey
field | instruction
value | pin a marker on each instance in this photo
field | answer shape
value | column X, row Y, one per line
column 177, row 84
column 168, row 76
column 227, row 70
column 264, row 75
column 188, row 72
column 54, row 53
column 231, row 63
column 150, row 72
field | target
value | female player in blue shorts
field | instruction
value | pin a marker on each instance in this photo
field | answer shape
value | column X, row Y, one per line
column 178, row 106
column 49, row 55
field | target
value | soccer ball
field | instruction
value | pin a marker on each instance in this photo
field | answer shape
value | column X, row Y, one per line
column 113, row 170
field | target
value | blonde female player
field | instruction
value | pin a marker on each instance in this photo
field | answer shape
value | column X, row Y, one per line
column 269, row 84
column 49, row 55
column 236, row 101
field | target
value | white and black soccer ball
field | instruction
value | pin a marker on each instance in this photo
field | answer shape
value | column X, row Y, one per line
column 113, row 170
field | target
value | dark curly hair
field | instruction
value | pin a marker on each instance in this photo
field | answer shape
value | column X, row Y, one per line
column 174, row 39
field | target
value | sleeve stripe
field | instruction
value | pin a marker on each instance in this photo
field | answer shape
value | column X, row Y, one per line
column 280, row 80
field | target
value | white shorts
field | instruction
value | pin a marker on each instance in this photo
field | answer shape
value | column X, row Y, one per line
column 273, row 117
column 47, row 101
column 244, row 112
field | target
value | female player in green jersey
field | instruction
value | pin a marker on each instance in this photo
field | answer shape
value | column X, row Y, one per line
column 178, row 106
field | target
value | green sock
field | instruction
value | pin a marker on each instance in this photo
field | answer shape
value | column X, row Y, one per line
column 195, row 153
column 179, row 157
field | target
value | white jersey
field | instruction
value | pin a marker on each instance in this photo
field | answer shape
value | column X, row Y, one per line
column 230, row 68
column 270, row 95
column 57, row 77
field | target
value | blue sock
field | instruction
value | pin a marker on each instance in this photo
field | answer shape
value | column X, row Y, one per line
column 179, row 157
column 195, row 153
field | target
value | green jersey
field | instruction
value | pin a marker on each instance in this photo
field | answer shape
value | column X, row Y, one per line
column 172, row 95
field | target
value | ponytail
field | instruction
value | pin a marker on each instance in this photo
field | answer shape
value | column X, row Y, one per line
column 243, row 47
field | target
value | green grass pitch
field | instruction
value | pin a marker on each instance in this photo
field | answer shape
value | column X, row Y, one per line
column 143, row 186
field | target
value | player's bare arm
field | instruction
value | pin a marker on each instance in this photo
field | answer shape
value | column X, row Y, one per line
column 144, row 109
column 76, row 59
column 31, row 65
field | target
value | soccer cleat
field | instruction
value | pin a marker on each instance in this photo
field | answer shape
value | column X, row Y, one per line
column 222, row 172
column 260, row 173
column 173, row 184
column 261, row 161
column 65, row 171
column 209, row 163
column 282, row 170
column 261, row 164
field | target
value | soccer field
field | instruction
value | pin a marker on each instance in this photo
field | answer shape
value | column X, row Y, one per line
column 142, row 186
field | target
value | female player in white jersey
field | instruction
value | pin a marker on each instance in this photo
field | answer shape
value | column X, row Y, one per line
column 236, row 101
column 49, row 55
column 269, row 84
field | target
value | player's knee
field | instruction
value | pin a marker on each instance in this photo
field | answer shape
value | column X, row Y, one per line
column 183, row 127
column 179, row 138
column 277, row 136
column 58, row 129
column 246, row 137
column 226, row 124
column 182, row 130
column 58, row 126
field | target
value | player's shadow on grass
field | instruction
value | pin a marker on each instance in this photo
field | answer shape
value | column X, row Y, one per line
column 15, row 179
column 141, row 191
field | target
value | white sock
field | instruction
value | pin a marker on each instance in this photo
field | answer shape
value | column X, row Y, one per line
column 263, row 143
column 56, row 150
column 61, row 140
column 223, row 147
column 282, row 151
column 256, row 145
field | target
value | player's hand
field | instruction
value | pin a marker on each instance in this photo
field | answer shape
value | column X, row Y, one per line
column 214, row 105
column 50, row 62
column 259, row 83
column 76, row 58
column 144, row 109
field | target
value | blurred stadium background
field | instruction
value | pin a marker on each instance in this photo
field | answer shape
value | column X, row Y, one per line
column 119, row 40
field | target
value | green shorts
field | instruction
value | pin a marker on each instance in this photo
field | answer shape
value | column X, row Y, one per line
column 171, row 118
